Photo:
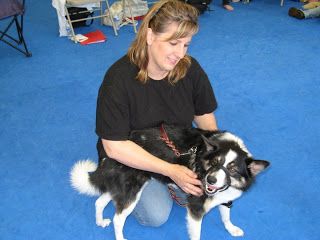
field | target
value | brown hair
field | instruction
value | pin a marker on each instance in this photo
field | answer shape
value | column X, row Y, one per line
column 158, row 17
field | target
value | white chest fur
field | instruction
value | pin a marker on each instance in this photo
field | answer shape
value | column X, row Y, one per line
column 223, row 197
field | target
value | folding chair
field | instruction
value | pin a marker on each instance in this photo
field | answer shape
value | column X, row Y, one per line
column 13, row 9
column 77, row 3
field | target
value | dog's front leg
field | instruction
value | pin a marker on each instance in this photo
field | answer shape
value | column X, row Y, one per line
column 194, row 226
column 225, row 217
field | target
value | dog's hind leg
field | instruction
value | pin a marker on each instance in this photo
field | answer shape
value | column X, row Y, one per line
column 225, row 217
column 100, row 204
column 121, row 216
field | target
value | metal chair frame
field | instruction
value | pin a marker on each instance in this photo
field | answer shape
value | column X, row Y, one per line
column 17, row 18
column 101, row 15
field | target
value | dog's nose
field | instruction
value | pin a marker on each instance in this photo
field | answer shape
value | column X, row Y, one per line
column 211, row 180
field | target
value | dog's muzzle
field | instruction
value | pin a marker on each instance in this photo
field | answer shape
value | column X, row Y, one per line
column 211, row 189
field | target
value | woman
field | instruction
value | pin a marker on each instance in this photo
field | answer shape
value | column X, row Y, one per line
column 155, row 82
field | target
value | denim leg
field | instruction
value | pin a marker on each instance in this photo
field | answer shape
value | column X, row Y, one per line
column 154, row 206
column 312, row 13
column 178, row 194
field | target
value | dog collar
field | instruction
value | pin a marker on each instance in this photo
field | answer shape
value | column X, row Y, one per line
column 228, row 204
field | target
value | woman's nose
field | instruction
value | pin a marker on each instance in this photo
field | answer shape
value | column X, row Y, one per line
column 180, row 51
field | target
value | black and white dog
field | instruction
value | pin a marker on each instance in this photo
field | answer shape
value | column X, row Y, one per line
column 220, row 159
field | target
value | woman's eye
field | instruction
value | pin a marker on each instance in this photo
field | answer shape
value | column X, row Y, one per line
column 173, row 43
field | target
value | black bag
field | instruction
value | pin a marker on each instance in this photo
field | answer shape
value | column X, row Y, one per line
column 201, row 5
column 78, row 13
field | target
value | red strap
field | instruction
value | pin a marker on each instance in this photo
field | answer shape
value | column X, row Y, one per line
column 176, row 198
column 165, row 138
column 163, row 133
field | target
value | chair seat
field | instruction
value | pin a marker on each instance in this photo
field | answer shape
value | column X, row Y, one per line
column 10, row 8
column 81, row 2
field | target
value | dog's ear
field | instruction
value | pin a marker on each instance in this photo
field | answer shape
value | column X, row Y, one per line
column 210, row 144
column 256, row 166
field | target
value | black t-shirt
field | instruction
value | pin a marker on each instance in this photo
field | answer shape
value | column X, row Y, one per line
column 125, row 104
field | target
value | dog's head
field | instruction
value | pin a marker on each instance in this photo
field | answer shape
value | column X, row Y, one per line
column 226, row 162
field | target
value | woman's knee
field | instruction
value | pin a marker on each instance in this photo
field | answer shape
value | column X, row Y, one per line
column 154, row 219
column 154, row 206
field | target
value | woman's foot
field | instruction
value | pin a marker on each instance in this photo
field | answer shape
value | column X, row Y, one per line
column 228, row 7
column 297, row 13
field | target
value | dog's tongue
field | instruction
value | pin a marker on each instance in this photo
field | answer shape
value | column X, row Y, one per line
column 212, row 188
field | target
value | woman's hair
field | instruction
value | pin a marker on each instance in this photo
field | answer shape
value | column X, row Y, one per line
column 160, row 15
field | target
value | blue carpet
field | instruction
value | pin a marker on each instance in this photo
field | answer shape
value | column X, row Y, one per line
column 264, row 67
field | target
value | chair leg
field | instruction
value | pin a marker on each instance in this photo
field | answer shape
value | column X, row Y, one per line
column 130, row 11
column 21, row 24
column 101, row 13
column 70, row 25
column 21, row 38
column 4, row 33
column 111, row 18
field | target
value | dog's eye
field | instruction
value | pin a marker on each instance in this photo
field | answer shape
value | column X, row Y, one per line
column 232, row 169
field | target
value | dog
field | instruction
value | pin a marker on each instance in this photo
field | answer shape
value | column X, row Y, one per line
column 219, row 158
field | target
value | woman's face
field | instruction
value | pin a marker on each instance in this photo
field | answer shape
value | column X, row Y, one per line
column 163, row 54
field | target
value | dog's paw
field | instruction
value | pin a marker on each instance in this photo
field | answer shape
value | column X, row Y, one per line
column 103, row 223
column 120, row 238
column 235, row 231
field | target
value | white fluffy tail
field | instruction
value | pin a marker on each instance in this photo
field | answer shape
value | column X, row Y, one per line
column 79, row 177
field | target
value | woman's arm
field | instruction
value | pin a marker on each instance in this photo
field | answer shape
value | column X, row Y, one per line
column 206, row 122
column 132, row 155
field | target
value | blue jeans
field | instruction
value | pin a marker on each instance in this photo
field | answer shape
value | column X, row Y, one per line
column 155, row 204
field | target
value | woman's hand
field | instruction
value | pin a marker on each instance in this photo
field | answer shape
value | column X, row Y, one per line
column 185, row 179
